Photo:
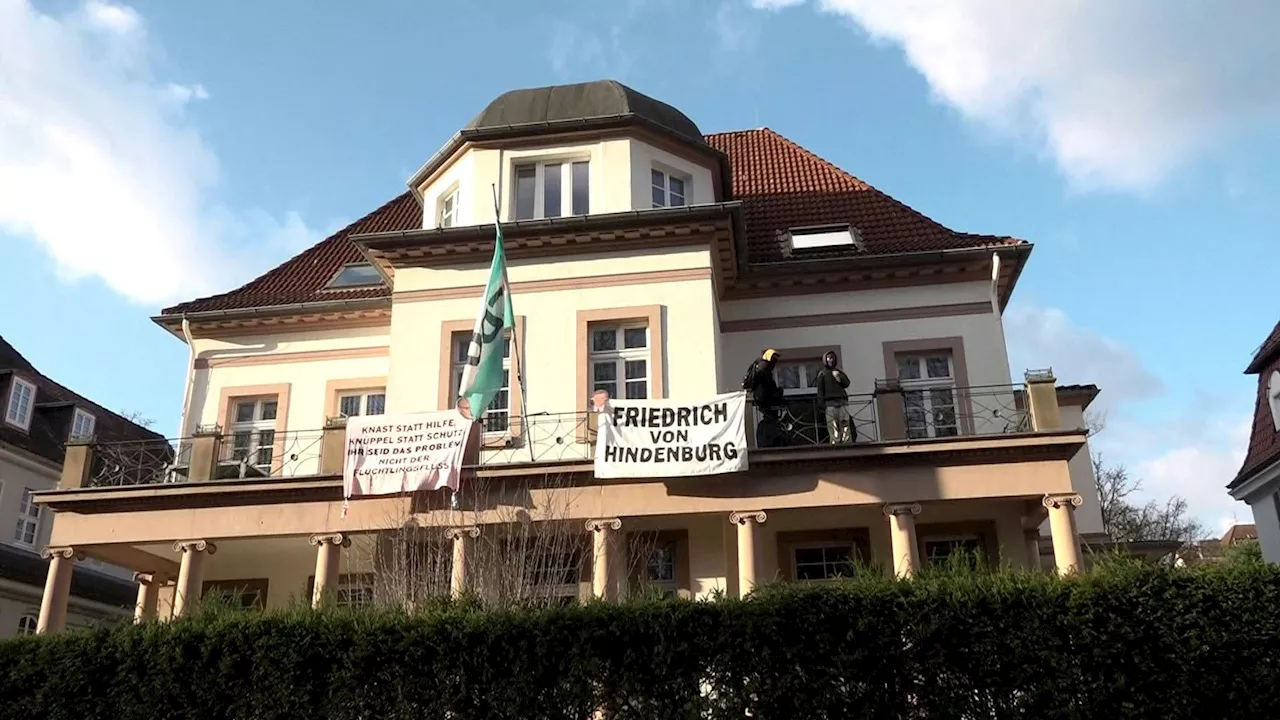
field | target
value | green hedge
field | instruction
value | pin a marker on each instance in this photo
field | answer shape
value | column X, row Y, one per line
column 1122, row 642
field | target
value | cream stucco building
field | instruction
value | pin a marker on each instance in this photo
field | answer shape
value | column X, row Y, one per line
column 647, row 259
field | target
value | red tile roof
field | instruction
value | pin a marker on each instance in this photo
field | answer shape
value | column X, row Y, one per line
column 780, row 184
column 1268, row 348
column 1264, row 440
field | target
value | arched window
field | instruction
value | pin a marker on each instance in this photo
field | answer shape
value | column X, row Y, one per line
column 27, row 624
column 1273, row 397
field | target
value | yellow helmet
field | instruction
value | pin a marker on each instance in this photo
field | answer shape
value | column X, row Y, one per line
column 770, row 354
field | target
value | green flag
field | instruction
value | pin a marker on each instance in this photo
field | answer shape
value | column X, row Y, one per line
column 482, row 377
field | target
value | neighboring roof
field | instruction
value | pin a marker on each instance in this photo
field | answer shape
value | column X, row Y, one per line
column 51, row 421
column 780, row 185
column 559, row 104
column 1238, row 532
column 1269, row 348
column 1083, row 394
column 28, row 568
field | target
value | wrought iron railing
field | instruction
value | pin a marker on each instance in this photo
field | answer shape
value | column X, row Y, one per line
column 540, row 438
column 893, row 412
column 263, row 454
column 141, row 462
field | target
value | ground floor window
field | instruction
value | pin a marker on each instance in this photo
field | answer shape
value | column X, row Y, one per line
column 27, row 624
column 939, row 549
column 824, row 562
column 242, row 594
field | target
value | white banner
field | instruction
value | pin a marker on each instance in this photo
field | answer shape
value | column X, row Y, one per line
column 388, row 454
column 661, row 438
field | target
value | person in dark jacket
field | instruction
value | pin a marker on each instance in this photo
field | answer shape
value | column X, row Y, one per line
column 766, row 396
column 833, row 394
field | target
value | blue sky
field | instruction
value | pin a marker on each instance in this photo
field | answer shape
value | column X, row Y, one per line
column 156, row 151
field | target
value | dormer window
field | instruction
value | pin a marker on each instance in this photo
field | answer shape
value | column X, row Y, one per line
column 668, row 189
column 447, row 210
column 356, row 275
column 824, row 236
column 1273, row 397
column 552, row 189
column 82, row 425
column 22, row 400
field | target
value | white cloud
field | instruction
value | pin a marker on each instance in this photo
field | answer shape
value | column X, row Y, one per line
column 1191, row 451
column 1041, row 337
column 774, row 4
column 100, row 165
column 1119, row 94
column 733, row 30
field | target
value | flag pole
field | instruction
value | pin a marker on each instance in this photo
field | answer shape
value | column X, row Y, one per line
column 515, row 342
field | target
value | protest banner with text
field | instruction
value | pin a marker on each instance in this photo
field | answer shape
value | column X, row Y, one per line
column 662, row 438
column 388, row 454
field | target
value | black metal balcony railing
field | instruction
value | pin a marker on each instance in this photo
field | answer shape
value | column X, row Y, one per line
column 890, row 414
column 258, row 454
column 539, row 438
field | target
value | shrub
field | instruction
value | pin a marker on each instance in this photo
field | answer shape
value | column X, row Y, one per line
column 1124, row 641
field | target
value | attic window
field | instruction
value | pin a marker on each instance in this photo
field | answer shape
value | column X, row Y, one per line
column 22, row 399
column 356, row 275
column 823, row 236
column 1273, row 398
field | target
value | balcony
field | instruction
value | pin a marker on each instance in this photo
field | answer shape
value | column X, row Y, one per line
column 890, row 418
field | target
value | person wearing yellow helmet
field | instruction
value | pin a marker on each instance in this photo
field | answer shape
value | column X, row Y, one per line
column 766, row 396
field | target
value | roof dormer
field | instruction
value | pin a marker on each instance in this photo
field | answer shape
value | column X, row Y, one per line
column 561, row 151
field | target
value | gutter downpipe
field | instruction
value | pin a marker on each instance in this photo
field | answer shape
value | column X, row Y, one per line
column 191, row 378
column 995, row 305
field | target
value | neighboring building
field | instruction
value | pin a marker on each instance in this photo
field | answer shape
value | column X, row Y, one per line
column 1203, row 551
column 1258, row 482
column 39, row 415
column 646, row 259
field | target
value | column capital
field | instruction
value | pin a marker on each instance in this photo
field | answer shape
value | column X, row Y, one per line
column 742, row 517
column 455, row 533
column 339, row 539
column 203, row 546
column 1062, row 500
column 66, row 553
column 603, row 524
column 892, row 509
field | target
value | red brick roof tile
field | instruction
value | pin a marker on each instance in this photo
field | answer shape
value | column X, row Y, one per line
column 780, row 184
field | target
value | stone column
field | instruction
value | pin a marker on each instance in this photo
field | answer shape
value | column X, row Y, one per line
column 1032, row 536
column 462, row 538
column 1062, row 525
column 601, row 555
column 747, row 522
column 57, row 588
column 902, row 536
column 190, row 573
column 328, row 563
column 148, row 596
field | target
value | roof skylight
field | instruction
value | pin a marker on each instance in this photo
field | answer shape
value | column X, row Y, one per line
column 824, row 236
column 356, row 275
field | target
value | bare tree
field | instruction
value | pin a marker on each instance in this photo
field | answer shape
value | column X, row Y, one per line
column 1125, row 521
column 136, row 417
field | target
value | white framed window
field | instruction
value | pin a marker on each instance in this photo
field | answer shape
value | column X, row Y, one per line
column 815, row 563
column 937, row 548
column 253, row 431
column 798, row 377
column 82, row 424
column 22, row 401
column 28, row 623
column 928, row 394
column 362, row 402
column 557, row 188
column 241, row 594
column 619, row 360
column 1273, row 397
column 354, row 590
column 27, row 530
column 668, row 189
column 447, row 209
column 497, row 419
